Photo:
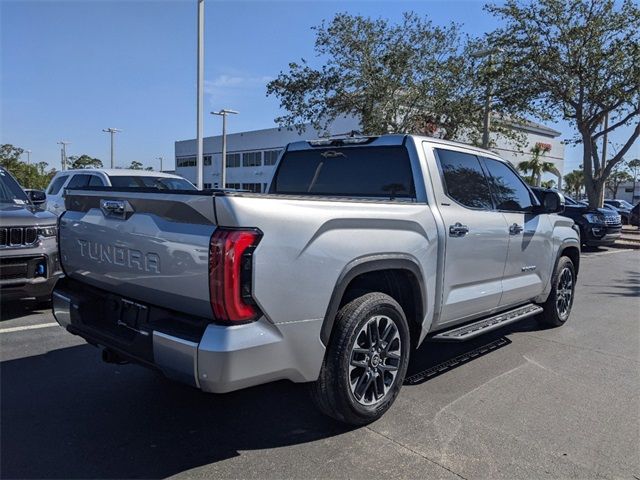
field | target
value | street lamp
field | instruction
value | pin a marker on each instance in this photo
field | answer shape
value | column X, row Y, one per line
column 200, row 98
column 161, row 158
column 63, row 154
column 223, row 113
column 486, row 123
column 112, row 131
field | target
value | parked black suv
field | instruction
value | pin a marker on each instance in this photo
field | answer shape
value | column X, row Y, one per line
column 598, row 227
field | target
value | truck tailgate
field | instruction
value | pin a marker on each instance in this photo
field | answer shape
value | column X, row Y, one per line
column 152, row 247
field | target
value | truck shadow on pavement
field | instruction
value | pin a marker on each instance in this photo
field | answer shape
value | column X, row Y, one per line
column 65, row 414
column 21, row 308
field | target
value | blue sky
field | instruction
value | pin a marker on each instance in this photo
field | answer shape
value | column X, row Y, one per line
column 71, row 68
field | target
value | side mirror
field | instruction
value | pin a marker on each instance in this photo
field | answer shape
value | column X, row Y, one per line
column 37, row 197
column 552, row 202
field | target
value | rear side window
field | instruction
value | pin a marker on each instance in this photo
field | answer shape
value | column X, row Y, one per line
column 464, row 180
column 509, row 190
column 374, row 172
column 56, row 185
column 161, row 183
column 96, row 181
column 79, row 180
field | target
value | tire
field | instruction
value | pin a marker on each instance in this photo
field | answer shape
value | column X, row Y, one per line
column 557, row 308
column 359, row 379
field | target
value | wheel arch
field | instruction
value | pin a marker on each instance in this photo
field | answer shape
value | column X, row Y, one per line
column 388, row 273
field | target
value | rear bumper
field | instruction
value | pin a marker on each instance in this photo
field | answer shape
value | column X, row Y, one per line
column 222, row 359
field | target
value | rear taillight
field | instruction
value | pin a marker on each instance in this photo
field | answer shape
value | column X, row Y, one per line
column 230, row 274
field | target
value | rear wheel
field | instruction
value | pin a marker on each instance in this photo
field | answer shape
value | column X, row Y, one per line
column 558, row 306
column 365, row 362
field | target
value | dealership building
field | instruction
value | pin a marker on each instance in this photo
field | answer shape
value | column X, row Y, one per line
column 251, row 156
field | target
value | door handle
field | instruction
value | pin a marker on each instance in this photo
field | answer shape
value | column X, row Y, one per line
column 515, row 229
column 458, row 230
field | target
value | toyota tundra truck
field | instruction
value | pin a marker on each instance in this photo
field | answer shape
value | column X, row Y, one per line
column 363, row 249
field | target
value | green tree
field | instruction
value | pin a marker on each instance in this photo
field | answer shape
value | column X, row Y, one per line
column 28, row 176
column 411, row 77
column 84, row 161
column 536, row 165
column 548, row 184
column 135, row 165
column 574, row 182
column 578, row 60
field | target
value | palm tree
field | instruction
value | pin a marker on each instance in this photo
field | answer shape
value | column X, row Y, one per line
column 548, row 184
column 536, row 166
column 574, row 181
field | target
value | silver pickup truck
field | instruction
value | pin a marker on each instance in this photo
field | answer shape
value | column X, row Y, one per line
column 363, row 249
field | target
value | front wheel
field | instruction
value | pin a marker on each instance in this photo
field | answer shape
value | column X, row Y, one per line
column 365, row 362
column 558, row 306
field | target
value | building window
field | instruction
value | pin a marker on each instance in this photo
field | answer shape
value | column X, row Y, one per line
column 252, row 187
column 235, row 186
column 185, row 161
column 233, row 160
column 207, row 159
column 206, row 186
column 252, row 159
column 271, row 156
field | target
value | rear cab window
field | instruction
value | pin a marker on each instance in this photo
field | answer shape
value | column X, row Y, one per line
column 382, row 172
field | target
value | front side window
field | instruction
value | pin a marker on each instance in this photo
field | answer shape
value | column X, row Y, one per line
column 370, row 172
column 509, row 190
column 464, row 180
column 56, row 185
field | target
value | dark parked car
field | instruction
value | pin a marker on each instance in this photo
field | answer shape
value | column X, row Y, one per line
column 622, row 207
column 634, row 218
column 598, row 227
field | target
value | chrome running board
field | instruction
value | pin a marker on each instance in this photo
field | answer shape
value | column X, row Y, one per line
column 484, row 325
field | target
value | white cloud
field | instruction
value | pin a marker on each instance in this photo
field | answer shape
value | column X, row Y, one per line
column 235, row 82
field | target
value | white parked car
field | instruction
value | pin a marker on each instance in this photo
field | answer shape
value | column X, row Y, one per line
column 120, row 178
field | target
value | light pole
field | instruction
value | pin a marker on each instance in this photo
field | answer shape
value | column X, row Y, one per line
column 486, row 121
column 200, row 97
column 28, row 157
column 63, row 154
column 112, row 131
column 223, row 169
column 161, row 158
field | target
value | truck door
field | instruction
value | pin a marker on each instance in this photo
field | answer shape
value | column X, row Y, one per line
column 476, row 237
column 530, row 257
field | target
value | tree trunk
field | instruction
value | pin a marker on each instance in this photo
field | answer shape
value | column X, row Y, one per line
column 593, row 187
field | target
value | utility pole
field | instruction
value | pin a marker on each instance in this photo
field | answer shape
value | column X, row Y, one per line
column 223, row 168
column 63, row 154
column 161, row 158
column 200, row 97
column 28, row 157
column 112, row 131
column 486, row 121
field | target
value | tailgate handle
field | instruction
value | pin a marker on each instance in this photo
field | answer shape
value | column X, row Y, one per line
column 116, row 208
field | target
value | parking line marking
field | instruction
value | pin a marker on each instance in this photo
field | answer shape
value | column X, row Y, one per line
column 27, row 327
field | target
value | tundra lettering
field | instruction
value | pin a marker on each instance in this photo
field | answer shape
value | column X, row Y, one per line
column 121, row 256
column 363, row 249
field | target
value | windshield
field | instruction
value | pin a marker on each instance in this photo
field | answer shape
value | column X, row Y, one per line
column 622, row 204
column 569, row 201
column 10, row 191
column 161, row 183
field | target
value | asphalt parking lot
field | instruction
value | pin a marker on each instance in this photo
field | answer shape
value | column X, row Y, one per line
column 524, row 402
